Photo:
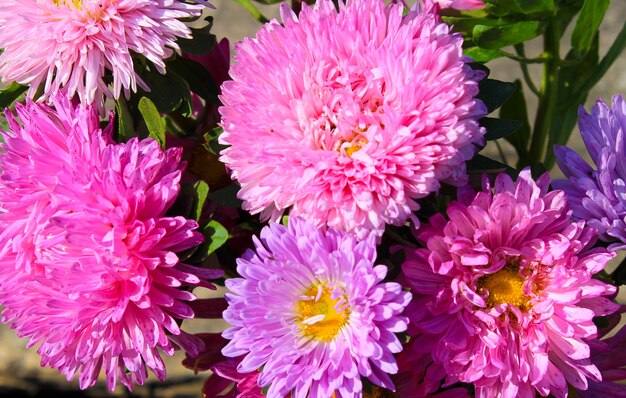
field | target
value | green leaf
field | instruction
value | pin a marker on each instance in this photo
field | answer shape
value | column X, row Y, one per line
column 479, row 54
column 495, row 37
column 480, row 164
column 201, row 189
column 168, row 92
column 11, row 93
column 216, row 236
column 499, row 128
column 124, row 120
column 588, row 23
column 515, row 109
column 493, row 93
column 153, row 119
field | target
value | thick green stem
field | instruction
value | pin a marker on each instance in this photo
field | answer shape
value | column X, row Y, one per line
column 549, row 94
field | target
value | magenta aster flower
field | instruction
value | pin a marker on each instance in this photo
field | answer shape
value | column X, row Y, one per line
column 504, row 292
column 71, row 43
column 312, row 310
column 347, row 117
column 87, row 256
column 598, row 195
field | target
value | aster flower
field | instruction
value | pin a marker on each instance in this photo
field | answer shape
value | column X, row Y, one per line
column 87, row 255
column 347, row 117
column 504, row 293
column 71, row 43
column 598, row 195
column 311, row 308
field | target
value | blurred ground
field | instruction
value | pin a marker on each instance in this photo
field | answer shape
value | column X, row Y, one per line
column 20, row 373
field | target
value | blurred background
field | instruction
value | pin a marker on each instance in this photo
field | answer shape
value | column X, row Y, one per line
column 20, row 373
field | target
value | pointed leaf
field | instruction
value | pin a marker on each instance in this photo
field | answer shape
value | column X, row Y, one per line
column 153, row 119
column 495, row 37
column 493, row 93
column 201, row 189
column 499, row 128
column 588, row 23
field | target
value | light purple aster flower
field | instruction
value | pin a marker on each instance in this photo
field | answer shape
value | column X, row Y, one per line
column 598, row 195
column 310, row 309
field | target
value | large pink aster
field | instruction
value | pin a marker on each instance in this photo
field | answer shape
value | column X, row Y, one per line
column 313, row 311
column 347, row 117
column 504, row 293
column 88, row 269
column 72, row 43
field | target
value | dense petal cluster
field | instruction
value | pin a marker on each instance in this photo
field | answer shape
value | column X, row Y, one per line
column 73, row 43
column 87, row 256
column 504, row 293
column 347, row 117
column 312, row 310
column 599, row 195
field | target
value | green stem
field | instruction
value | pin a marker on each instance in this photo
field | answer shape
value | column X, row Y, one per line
column 523, row 60
column 247, row 4
column 519, row 48
column 548, row 96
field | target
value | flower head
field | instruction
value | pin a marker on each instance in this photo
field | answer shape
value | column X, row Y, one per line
column 347, row 117
column 504, row 292
column 87, row 255
column 598, row 195
column 311, row 309
column 73, row 43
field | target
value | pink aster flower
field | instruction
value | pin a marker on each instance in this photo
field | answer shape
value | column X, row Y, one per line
column 312, row 310
column 87, row 255
column 74, row 43
column 504, row 293
column 598, row 195
column 347, row 117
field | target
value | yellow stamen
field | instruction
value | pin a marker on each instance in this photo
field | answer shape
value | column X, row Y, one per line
column 505, row 286
column 319, row 315
column 77, row 3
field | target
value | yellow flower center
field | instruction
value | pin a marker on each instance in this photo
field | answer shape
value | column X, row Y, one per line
column 319, row 315
column 76, row 3
column 356, row 145
column 505, row 286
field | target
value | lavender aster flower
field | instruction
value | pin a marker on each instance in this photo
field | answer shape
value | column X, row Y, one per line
column 311, row 309
column 599, row 195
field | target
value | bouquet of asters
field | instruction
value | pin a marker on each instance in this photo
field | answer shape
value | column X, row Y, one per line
column 332, row 184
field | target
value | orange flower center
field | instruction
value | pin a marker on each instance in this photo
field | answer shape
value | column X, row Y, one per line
column 319, row 315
